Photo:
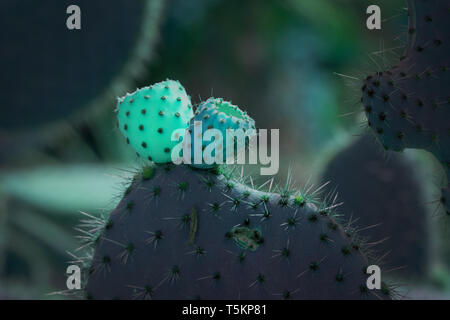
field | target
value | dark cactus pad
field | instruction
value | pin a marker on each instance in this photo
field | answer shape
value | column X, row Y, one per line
column 408, row 105
column 187, row 234
column 386, row 199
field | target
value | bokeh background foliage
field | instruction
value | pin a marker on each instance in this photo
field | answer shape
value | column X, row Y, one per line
column 295, row 65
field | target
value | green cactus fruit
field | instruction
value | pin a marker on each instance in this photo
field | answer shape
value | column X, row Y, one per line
column 216, row 113
column 148, row 117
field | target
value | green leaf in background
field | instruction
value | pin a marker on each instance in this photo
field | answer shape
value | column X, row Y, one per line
column 67, row 188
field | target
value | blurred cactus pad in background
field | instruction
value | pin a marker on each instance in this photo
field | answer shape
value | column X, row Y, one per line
column 53, row 74
column 310, row 68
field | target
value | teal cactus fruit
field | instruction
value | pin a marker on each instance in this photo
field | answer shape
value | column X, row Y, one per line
column 216, row 113
column 185, row 233
column 408, row 105
column 149, row 116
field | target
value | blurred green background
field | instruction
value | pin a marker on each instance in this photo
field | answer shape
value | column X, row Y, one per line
column 295, row 65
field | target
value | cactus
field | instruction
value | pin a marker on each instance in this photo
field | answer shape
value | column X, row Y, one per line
column 397, row 216
column 149, row 116
column 221, row 115
column 183, row 233
column 408, row 105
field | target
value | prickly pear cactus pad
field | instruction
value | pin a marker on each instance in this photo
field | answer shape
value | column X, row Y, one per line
column 408, row 105
column 218, row 114
column 400, row 219
column 148, row 117
column 184, row 233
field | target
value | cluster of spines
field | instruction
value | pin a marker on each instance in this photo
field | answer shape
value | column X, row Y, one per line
column 148, row 116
